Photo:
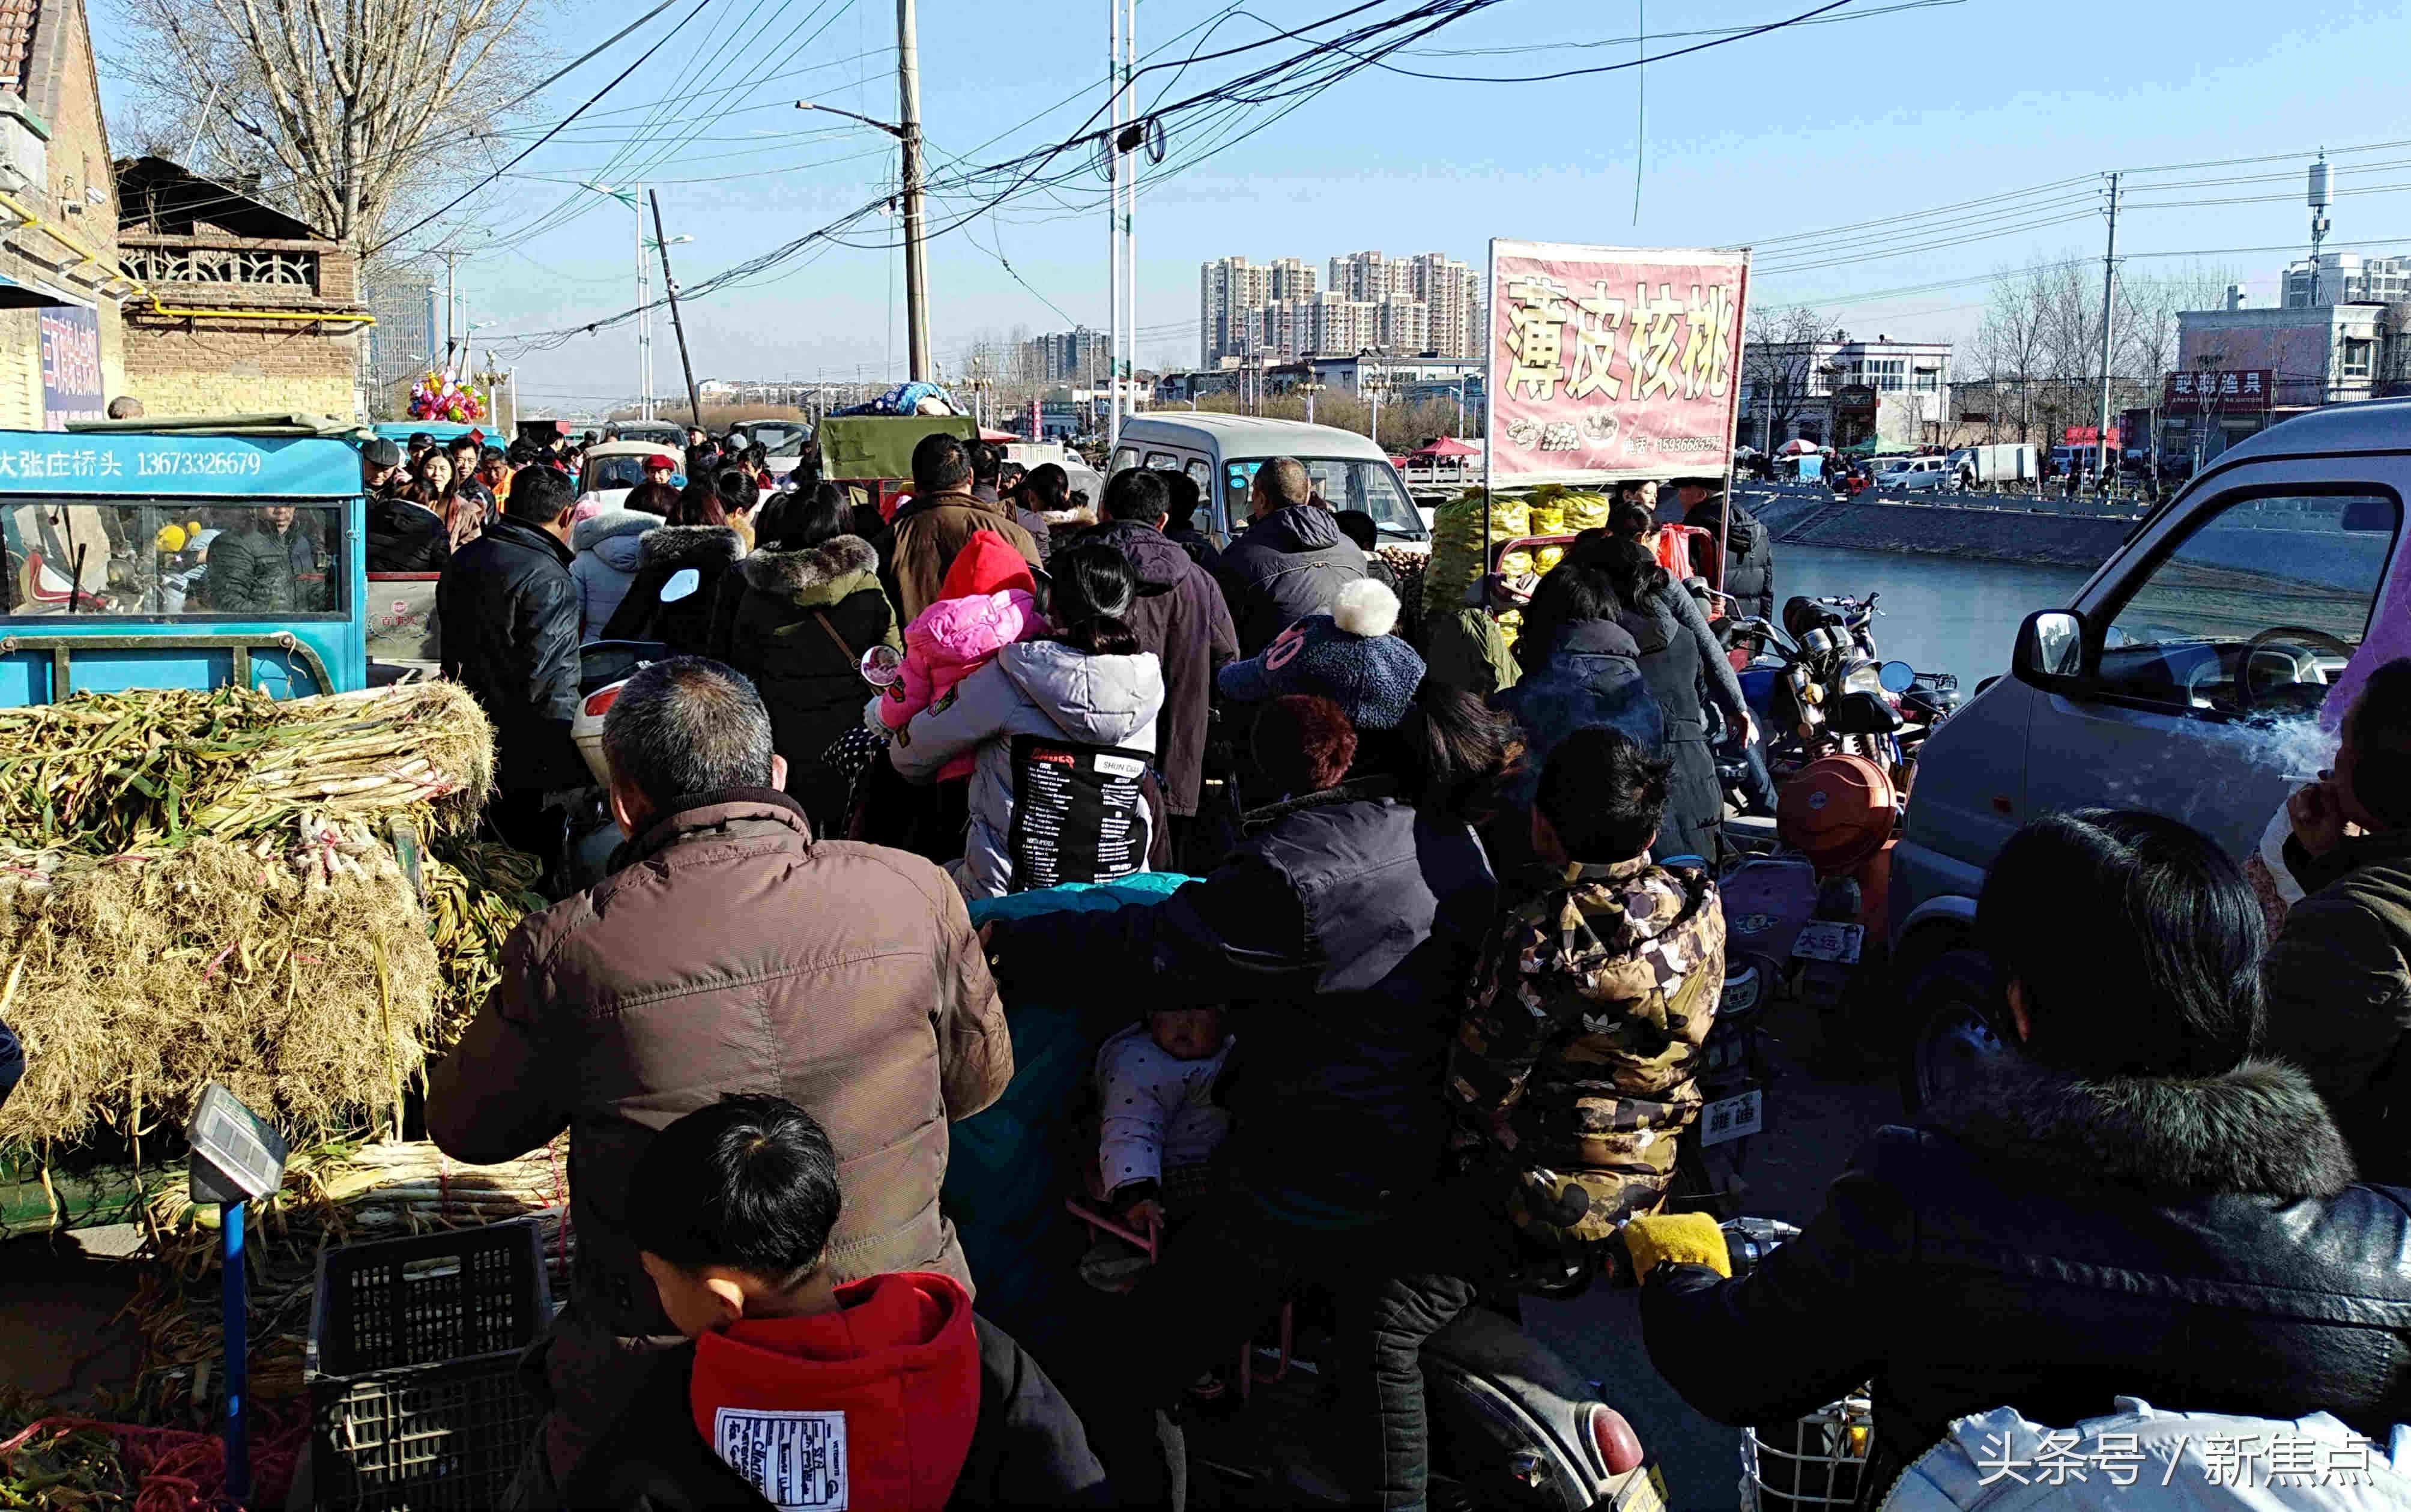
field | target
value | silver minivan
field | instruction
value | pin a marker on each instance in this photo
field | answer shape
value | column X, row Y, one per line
column 2186, row 676
column 1223, row 451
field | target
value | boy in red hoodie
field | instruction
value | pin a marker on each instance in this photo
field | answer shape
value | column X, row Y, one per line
column 886, row 1393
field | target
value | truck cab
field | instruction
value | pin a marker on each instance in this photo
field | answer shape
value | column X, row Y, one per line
column 165, row 559
column 2199, row 674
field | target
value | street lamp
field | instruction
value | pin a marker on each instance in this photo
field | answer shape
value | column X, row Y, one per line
column 1310, row 389
column 908, row 134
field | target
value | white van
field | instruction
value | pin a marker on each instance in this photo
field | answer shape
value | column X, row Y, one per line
column 1913, row 474
column 1223, row 451
column 2186, row 676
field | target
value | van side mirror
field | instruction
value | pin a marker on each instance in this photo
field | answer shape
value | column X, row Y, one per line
column 2049, row 648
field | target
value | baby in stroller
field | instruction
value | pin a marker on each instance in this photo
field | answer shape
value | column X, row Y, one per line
column 1159, row 1123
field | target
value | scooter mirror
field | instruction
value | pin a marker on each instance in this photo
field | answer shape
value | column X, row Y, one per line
column 683, row 585
column 1896, row 676
column 882, row 665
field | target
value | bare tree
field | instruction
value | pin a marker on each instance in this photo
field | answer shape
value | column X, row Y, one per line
column 2013, row 345
column 348, row 113
column 1777, row 364
column 2148, row 307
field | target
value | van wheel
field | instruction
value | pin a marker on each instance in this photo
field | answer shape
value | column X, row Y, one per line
column 1950, row 1006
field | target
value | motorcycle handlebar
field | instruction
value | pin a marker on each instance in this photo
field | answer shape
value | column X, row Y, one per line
column 1749, row 1241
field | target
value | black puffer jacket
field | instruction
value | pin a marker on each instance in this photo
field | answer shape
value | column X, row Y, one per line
column 406, row 537
column 1342, row 937
column 509, row 612
column 1750, row 556
column 770, row 628
column 1287, row 566
column 2047, row 1245
column 1180, row 616
column 1673, row 662
column 684, row 624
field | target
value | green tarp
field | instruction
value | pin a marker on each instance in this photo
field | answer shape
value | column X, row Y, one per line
column 857, row 446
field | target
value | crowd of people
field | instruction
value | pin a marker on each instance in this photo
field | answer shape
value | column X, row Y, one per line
column 1421, row 1027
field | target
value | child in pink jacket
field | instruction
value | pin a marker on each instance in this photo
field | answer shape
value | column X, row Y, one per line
column 986, row 601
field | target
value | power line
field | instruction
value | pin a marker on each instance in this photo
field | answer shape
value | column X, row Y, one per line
column 616, row 82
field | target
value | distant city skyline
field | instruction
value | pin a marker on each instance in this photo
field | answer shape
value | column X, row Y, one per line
column 1428, row 302
column 1858, row 209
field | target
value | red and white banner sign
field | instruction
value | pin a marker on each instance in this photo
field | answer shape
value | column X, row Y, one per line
column 1613, row 362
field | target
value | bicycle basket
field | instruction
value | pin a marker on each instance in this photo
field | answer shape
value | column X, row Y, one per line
column 1820, row 1465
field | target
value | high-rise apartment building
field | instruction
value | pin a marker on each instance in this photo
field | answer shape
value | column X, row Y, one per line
column 1078, row 356
column 2349, row 278
column 1291, row 279
column 1405, row 305
column 1227, row 289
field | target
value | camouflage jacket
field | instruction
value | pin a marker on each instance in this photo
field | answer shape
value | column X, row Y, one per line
column 1572, row 1070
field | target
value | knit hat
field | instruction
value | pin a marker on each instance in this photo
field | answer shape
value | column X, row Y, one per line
column 1348, row 656
column 987, row 563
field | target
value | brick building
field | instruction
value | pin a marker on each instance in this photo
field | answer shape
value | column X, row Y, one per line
column 60, row 334
column 249, row 310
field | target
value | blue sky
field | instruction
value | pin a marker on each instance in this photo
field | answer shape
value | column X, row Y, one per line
column 1805, row 129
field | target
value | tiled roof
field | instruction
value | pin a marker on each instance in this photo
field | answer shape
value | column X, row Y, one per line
column 17, row 20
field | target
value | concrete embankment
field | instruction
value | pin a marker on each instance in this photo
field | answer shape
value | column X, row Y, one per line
column 1974, row 533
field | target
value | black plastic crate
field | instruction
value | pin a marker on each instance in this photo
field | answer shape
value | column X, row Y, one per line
column 414, row 1395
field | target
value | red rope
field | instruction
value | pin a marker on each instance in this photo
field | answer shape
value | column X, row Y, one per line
column 181, row 1471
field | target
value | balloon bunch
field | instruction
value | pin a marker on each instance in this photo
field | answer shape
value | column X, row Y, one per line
column 439, row 397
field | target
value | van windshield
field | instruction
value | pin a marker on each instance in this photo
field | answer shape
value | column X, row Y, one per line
column 1344, row 482
column 622, row 472
column 178, row 558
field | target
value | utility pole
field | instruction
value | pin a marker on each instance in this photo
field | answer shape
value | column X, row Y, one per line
column 1113, row 221
column 2318, row 200
column 451, row 258
column 1126, row 349
column 916, row 281
column 2108, row 285
column 644, row 316
column 669, row 287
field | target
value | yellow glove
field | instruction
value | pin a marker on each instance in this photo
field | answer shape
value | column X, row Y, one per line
column 1684, row 1238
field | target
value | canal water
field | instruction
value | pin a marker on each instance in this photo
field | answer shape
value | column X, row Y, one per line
column 1938, row 613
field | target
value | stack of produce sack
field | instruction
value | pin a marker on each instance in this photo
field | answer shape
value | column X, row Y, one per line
column 202, row 886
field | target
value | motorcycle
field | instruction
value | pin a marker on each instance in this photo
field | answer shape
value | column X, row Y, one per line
column 1844, row 728
column 1510, row 1423
column 1736, row 1075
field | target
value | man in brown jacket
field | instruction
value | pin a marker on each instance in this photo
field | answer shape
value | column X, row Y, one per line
column 941, row 515
column 730, row 952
